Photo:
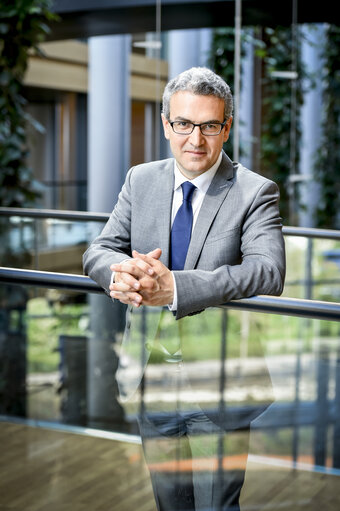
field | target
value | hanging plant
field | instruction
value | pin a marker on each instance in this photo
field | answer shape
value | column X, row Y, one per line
column 274, row 48
column 281, row 105
column 23, row 25
column 222, row 61
column 327, row 168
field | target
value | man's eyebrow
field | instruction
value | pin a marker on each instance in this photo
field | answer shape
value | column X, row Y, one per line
column 210, row 121
column 179, row 118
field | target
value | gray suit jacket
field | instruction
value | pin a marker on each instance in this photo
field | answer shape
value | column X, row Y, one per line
column 236, row 249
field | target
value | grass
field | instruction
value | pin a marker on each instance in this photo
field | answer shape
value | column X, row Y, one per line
column 44, row 327
column 247, row 334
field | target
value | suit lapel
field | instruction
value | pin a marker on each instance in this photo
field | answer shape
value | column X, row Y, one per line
column 216, row 194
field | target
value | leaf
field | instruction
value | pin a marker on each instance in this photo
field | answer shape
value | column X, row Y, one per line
column 4, row 28
column 35, row 10
column 11, row 155
column 5, row 78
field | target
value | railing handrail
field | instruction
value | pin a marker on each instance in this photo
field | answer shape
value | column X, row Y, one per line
column 55, row 214
column 270, row 304
column 307, row 232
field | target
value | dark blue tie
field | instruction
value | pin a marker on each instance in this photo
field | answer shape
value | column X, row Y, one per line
column 181, row 228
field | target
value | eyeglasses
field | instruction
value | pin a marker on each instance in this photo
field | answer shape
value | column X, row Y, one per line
column 207, row 128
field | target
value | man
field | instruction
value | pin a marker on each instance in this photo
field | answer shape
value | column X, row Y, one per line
column 169, row 243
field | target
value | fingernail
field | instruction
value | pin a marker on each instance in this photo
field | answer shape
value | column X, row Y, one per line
column 136, row 285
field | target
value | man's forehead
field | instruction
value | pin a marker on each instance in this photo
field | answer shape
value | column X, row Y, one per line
column 187, row 100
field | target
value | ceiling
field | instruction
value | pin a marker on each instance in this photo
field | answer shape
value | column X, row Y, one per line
column 86, row 18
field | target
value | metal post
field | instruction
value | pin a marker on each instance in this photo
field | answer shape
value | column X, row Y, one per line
column 237, row 75
column 321, row 414
column 336, row 430
column 222, row 404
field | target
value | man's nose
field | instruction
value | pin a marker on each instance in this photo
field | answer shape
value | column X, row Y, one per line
column 196, row 138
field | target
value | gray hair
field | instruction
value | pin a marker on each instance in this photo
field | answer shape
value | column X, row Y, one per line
column 200, row 81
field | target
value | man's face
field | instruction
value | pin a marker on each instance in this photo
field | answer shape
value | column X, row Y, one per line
column 195, row 153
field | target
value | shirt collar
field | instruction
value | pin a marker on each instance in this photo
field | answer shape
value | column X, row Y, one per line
column 201, row 182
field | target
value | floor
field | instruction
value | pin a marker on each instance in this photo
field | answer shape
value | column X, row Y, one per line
column 47, row 470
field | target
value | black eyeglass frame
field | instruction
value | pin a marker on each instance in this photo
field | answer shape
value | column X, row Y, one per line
column 222, row 124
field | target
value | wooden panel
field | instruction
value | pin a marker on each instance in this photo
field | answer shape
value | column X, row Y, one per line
column 146, row 89
column 146, row 66
column 137, row 132
column 65, row 68
column 56, row 75
column 69, row 51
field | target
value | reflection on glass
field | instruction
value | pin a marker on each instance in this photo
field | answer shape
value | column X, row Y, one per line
column 313, row 268
column 45, row 244
column 280, row 374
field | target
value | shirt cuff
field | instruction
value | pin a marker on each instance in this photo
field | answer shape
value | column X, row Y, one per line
column 114, row 273
column 112, row 278
column 173, row 307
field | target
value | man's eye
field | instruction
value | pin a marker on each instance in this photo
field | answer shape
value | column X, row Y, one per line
column 212, row 127
column 182, row 124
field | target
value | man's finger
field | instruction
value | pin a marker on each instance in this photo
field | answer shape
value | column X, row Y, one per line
column 144, row 266
column 150, row 260
column 127, row 297
column 126, row 278
column 135, row 267
column 129, row 267
column 122, row 287
column 155, row 254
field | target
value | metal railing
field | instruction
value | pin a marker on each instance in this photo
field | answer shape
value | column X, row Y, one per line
column 276, row 305
column 307, row 232
column 269, row 304
column 55, row 214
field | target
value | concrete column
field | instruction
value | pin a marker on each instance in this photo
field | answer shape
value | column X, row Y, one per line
column 188, row 48
column 109, row 119
column 109, row 160
column 313, row 38
column 246, row 106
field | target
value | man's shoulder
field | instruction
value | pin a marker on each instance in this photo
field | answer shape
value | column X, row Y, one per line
column 144, row 170
column 244, row 175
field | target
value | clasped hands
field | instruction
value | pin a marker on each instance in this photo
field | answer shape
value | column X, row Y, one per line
column 142, row 280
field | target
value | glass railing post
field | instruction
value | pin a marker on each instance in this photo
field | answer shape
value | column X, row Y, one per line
column 222, row 383
column 36, row 244
column 321, row 410
column 309, row 270
column 336, row 428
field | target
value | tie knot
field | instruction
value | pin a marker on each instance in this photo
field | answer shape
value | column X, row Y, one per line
column 188, row 189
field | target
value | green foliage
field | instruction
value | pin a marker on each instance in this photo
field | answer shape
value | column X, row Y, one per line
column 222, row 61
column 44, row 327
column 327, row 169
column 274, row 48
column 23, row 25
column 278, row 156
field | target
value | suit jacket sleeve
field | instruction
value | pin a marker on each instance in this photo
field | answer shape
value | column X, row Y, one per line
column 113, row 244
column 260, row 269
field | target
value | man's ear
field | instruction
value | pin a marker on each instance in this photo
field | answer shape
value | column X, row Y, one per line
column 166, row 126
column 227, row 129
